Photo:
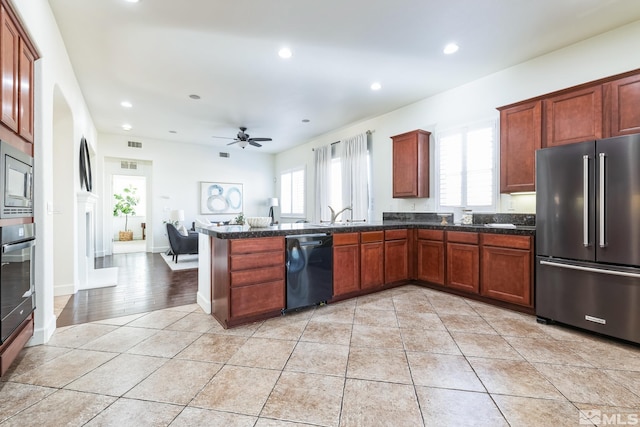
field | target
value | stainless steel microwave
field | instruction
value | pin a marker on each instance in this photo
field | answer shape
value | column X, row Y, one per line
column 16, row 182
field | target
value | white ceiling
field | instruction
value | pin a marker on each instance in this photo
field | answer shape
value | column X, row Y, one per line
column 156, row 53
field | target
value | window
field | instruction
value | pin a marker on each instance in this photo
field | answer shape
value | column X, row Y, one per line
column 467, row 167
column 292, row 188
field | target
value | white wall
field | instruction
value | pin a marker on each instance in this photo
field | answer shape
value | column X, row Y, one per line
column 177, row 170
column 52, row 70
column 602, row 56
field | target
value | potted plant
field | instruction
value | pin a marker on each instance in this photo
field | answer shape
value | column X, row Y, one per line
column 125, row 205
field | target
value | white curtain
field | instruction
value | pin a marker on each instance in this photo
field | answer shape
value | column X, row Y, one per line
column 355, row 179
column 322, row 160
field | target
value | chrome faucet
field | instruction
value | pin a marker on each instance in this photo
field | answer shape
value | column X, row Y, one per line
column 335, row 214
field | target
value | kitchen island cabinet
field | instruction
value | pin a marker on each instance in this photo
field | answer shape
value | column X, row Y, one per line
column 346, row 265
column 248, row 279
column 242, row 270
column 371, row 259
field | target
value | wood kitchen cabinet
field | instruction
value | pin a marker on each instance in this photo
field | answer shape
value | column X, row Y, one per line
column 431, row 254
column 411, row 164
column 463, row 261
column 507, row 268
column 622, row 103
column 572, row 117
column 346, row 263
column 520, row 137
column 248, row 279
column 17, row 59
column 396, row 255
column 371, row 259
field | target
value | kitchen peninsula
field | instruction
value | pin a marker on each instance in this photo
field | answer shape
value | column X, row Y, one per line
column 241, row 275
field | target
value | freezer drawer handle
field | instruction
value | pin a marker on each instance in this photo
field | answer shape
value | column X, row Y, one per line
column 590, row 269
column 585, row 192
column 603, row 241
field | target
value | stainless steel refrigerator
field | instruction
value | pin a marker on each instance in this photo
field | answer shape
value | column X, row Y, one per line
column 588, row 236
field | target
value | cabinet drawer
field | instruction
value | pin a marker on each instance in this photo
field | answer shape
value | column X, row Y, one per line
column 257, row 299
column 462, row 237
column 259, row 244
column 258, row 275
column 371, row 236
column 431, row 234
column 506, row 241
column 340, row 239
column 248, row 261
column 395, row 234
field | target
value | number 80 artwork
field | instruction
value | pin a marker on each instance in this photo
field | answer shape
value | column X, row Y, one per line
column 220, row 198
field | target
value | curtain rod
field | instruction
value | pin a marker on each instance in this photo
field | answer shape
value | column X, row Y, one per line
column 369, row 132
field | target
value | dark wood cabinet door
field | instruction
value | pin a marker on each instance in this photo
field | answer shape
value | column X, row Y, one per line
column 520, row 137
column 396, row 260
column 463, row 267
column 506, row 275
column 624, row 106
column 573, row 117
column 411, row 164
column 371, row 265
column 431, row 261
column 346, row 269
column 25, row 105
column 9, row 54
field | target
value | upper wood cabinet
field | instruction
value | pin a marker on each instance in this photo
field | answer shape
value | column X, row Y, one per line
column 411, row 164
column 9, row 59
column 17, row 58
column 622, row 102
column 573, row 117
column 520, row 137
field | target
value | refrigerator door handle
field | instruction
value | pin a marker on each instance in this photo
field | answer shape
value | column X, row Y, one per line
column 603, row 242
column 585, row 192
column 590, row 269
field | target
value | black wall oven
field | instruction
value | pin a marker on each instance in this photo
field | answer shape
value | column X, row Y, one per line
column 17, row 296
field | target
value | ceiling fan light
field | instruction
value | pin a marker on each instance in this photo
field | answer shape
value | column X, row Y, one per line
column 243, row 143
column 285, row 53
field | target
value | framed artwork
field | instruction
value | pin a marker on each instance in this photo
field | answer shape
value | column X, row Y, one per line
column 221, row 198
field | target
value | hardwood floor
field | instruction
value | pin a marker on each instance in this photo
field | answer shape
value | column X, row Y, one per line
column 145, row 283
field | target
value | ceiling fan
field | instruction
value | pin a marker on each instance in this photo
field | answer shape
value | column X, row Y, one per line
column 243, row 139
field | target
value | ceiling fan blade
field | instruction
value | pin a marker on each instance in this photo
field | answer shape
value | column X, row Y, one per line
column 221, row 137
column 260, row 139
column 255, row 144
column 234, row 142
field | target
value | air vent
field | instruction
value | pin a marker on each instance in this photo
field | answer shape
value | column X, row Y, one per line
column 128, row 165
column 134, row 144
column 224, row 154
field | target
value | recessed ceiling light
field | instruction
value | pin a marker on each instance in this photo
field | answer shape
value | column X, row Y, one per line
column 126, row 104
column 285, row 53
column 450, row 48
column 194, row 96
column 376, row 86
column 127, row 126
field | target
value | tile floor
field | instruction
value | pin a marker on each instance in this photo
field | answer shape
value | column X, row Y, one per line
column 404, row 357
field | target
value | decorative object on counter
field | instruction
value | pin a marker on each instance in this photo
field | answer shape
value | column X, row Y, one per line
column 86, row 180
column 467, row 217
column 125, row 205
column 273, row 203
column 444, row 219
column 239, row 220
column 220, row 198
column 258, row 221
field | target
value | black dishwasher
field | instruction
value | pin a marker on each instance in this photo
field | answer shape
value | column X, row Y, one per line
column 309, row 261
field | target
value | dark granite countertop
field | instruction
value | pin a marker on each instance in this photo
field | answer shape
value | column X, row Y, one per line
column 244, row 231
